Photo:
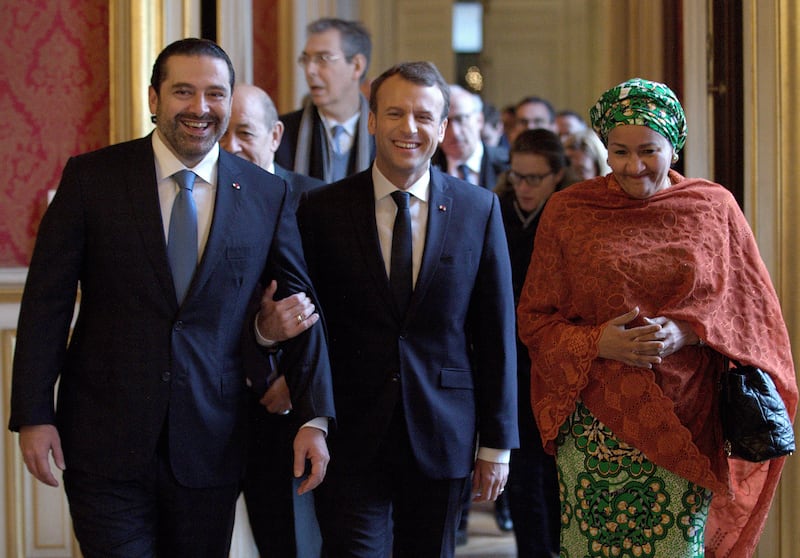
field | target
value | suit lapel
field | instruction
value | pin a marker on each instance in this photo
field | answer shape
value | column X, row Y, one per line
column 439, row 211
column 226, row 206
column 362, row 212
column 142, row 188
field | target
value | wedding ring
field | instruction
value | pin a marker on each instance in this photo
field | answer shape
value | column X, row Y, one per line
column 286, row 412
column 501, row 490
column 300, row 318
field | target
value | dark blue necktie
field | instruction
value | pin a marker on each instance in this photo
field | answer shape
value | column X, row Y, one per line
column 400, row 271
column 465, row 173
column 182, row 241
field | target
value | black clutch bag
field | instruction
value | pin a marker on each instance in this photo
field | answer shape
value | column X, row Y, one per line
column 755, row 423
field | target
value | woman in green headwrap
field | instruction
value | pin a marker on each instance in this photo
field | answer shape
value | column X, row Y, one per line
column 640, row 284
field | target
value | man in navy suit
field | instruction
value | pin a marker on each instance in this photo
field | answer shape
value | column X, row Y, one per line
column 463, row 153
column 149, row 424
column 417, row 382
column 283, row 522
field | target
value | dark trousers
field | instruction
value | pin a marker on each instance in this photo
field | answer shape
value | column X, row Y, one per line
column 150, row 516
column 389, row 508
column 284, row 524
column 533, row 499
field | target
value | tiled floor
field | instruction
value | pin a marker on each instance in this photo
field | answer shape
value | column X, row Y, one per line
column 485, row 540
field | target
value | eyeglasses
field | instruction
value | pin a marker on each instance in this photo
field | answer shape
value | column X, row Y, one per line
column 531, row 179
column 532, row 123
column 460, row 118
column 320, row 59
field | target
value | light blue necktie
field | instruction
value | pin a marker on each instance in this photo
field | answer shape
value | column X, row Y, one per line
column 336, row 135
column 339, row 159
column 182, row 241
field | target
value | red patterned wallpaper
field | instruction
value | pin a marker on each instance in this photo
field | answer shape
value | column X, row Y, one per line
column 265, row 46
column 53, row 103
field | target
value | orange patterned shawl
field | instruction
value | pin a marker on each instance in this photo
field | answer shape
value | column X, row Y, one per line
column 686, row 253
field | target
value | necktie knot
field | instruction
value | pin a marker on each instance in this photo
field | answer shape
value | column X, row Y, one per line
column 401, row 199
column 185, row 179
column 465, row 173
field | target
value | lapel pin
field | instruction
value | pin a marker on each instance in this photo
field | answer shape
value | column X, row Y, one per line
column 442, row 208
column 236, row 186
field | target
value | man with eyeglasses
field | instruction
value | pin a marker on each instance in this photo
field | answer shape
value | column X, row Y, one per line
column 328, row 137
column 463, row 153
column 533, row 113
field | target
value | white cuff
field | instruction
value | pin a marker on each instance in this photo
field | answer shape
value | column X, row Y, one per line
column 495, row 455
column 320, row 422
column 261, row 340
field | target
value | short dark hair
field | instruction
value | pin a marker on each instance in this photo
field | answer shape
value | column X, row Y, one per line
column 533, row 99
column 187, row 47
column 355, row 37
column 541, row 142
column 421, row 73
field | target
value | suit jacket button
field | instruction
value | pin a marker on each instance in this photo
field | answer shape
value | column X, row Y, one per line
column 396, row 377
column 178, row 325
column 165, row 376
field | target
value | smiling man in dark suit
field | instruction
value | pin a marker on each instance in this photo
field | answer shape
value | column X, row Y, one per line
column 150, row 413
column 420, row 314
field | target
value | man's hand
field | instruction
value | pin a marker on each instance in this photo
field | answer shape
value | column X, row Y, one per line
column 309, row 444
column 286, row 318
column 36, row 443
column 488, row 480
column 277, row 399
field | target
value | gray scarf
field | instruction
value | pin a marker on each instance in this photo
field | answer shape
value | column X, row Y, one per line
column 362, row 145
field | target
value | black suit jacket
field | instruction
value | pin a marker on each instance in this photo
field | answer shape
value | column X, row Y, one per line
column 299, row 183
column 137, row 363
column 493, row 163
column 450, row 361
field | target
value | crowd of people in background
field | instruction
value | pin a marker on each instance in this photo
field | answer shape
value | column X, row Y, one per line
column 418, row 211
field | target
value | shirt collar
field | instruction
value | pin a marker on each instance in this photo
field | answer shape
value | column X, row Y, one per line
column 349, row 125
column 168, row 164
column 474, row 160
column 383, row 187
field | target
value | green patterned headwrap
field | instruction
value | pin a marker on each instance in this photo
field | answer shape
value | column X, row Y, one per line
column 640, row 102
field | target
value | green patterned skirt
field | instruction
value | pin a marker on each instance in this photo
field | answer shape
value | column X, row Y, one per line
column 616, row 503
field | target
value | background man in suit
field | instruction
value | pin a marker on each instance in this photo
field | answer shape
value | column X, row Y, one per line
column 417, row 376
column 462, row 152
column 277, row 513
column 151, row 401
column 328, row 137
column 532, row 113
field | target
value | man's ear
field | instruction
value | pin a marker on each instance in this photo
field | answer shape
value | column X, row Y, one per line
column 152, row 99
column 276, row 134
column 359, row 65
column 442, row 129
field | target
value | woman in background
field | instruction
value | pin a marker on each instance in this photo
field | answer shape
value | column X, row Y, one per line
column 587, row 154
column 538, row 168
column 642, row 282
